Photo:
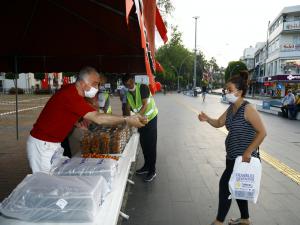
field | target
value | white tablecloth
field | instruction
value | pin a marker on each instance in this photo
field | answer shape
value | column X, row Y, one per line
column 109, row 211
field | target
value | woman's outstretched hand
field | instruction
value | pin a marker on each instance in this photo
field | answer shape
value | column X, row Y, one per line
column 203, row 117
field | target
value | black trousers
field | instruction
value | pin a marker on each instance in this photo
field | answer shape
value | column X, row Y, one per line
column 66, row 146
column 285, row 110
column 224, row 202
column 124, row 109
column 148, row 140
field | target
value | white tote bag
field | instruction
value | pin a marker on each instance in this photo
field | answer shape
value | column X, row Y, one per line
column 245, row 179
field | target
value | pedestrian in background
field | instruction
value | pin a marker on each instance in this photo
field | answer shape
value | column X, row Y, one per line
column 296, row 107
column 288, row 102
column 123, row 99
column 245, row 133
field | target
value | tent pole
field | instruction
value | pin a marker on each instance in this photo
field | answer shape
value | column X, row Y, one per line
column 16, row 85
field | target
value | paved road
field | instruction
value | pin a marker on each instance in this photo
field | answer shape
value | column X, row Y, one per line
column 190, row 161
column 283, row 139
column 191, row 157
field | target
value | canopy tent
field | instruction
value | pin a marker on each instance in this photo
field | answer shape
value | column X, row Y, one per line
column 65, row 35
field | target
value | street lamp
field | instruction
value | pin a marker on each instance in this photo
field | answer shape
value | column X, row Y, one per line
column 194, row 83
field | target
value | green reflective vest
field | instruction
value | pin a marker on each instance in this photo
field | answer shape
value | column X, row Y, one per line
column 109, row 111
column 107, row 105
column 137, row 104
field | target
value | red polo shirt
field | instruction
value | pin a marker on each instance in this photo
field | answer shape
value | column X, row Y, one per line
column 60, row 114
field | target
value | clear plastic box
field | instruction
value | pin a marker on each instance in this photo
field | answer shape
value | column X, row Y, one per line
column 108, row 168
column 44, row 198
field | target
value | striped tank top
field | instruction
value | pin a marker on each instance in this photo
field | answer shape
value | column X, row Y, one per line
column 240, row 132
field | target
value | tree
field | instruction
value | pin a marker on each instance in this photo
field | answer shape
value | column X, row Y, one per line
column 233, row 68
column 178, row 62
column 68, row 74
column 11, row 76
column 39, row 76
column 175, row 59
column 166, row 8
column 213, row 65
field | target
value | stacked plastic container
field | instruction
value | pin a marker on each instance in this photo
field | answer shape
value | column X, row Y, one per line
column 44, row 198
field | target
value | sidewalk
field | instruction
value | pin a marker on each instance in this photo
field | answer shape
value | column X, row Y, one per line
column 191, row 159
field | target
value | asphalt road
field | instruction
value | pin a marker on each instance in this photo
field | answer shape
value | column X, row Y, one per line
column 191, row 159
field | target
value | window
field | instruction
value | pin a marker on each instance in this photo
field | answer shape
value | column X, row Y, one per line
column 277, row 44
column 271, row 69
column 296, row 39
column 291, row 66
column 275, row 68
column 297, row 18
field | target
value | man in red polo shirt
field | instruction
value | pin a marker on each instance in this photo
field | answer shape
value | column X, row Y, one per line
column 60, row 114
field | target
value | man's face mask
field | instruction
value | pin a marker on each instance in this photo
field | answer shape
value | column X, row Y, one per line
column 132, row 89
column 90, row 93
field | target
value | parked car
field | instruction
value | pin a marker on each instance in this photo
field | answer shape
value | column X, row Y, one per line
column 198, row 89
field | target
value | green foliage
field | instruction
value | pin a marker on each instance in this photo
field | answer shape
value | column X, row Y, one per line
column 39, row 76
column 68, row 74
column 177, row 60
column 233, row 68
column 11, row 76
column 213, row 65
column 166, row 8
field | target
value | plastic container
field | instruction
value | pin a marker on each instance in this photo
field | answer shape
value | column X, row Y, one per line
column 44, row 198
column 108, row 168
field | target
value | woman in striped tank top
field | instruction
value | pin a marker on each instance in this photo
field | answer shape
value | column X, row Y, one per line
column 245, row 133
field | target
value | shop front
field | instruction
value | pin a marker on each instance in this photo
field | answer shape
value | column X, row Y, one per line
column 277, row 86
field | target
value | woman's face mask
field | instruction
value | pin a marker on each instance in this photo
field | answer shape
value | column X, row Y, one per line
column 231, row 97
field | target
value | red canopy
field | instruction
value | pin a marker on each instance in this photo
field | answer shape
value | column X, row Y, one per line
column 65, row 35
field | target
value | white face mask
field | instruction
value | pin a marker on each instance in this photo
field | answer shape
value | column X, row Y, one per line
column 91, row 93
column 231, row 97
column 133, row 89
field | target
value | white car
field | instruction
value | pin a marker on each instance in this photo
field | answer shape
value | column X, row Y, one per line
column 198, row 89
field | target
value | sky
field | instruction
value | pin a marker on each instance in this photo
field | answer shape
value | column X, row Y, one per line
column 225, row 27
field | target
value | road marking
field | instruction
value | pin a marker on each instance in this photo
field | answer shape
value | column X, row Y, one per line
column 21, row 101
column 188, row 106
column 21, row 110
column 280, row 166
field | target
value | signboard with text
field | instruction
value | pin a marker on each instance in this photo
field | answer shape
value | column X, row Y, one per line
column 289, row 78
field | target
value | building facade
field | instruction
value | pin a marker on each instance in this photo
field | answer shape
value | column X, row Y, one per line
column 283, row 53
column 260, row 59
column 29, row 84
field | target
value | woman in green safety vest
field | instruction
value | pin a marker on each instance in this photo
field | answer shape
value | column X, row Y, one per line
column 140, row 101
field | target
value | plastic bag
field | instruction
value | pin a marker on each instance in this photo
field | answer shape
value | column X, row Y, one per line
column 58, row 157
column 44, row 198
column 107, row 168
column 245, row 179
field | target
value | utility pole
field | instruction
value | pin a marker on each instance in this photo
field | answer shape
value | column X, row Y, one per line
column 195, row 62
